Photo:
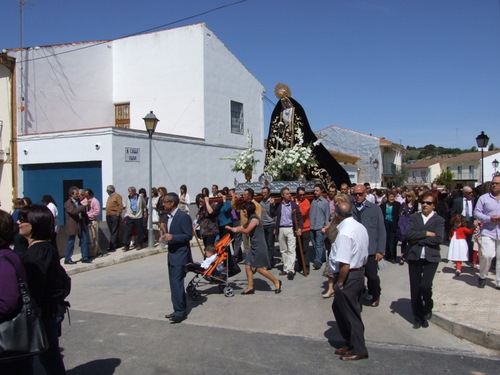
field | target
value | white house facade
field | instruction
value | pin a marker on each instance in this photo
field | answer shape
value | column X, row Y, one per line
column 378, row 157
column 80, row 112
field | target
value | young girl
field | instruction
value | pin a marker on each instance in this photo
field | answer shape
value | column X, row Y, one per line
column 459, row 250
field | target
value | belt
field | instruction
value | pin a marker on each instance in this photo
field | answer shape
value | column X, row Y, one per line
column 357, row 269
column 286, row 226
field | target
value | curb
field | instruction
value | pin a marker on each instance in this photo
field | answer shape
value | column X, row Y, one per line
column 487, row 338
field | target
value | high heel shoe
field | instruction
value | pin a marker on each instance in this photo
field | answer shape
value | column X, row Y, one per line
column 251, row 291
column 328, row 295
column 278, row 291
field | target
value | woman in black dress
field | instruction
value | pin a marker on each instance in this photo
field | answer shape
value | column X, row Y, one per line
column 257, row 259
column 44, row 273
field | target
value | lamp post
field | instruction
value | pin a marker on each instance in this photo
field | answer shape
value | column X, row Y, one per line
column 495, row 165
column 375, row 164
column 482, row 141
column 150, row 120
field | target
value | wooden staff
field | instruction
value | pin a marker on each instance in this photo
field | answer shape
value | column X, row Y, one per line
column 198, row 241
column 304, row 268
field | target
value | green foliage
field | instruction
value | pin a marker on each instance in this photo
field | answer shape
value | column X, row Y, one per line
column 432, row 151
column 401, row 175
column 491, row 148
column 445, row 178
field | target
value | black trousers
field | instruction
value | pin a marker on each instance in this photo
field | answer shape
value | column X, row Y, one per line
column 373, row 281
column 137, row 223
column 347, row 313
column 113, row 222
column 421, row 274
column 270, row 239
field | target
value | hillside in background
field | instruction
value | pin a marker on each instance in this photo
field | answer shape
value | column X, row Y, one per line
column 432, row 151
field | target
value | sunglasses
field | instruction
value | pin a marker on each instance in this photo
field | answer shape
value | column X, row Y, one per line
column 427, row 202
column 357, row 193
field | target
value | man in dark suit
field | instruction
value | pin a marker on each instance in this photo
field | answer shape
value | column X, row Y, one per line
column 464, row 206
column 178, row 232
column 370, row 215
column 74, row 214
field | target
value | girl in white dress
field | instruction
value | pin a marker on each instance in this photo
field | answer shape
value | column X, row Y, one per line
column 458, row 251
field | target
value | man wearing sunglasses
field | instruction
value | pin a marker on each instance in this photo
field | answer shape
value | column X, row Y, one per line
column 370, row 215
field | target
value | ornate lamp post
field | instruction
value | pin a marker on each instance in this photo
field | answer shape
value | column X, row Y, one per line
column 150, row 120
column 482, row 141
column 495, row 165
column 375, row 164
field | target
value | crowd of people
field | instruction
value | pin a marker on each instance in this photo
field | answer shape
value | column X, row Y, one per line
column 347, row 232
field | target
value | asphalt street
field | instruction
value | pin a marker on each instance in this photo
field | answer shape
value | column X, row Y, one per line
column 118, row 327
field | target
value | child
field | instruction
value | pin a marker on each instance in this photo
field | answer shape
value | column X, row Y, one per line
column 210, row 255
column 458, row 251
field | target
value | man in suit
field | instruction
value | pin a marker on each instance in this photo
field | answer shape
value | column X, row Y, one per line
column 178, row 232
column 425, row 233
column 74, row 214
column 287, row 230
column 370, row 215
column 464, row 206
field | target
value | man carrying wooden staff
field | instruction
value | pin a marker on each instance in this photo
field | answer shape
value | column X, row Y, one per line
column 287, row 230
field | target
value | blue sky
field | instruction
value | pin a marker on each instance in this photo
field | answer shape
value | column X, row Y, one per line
column 415, row 72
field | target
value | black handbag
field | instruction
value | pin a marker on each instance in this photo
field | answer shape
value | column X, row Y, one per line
column 24, row 335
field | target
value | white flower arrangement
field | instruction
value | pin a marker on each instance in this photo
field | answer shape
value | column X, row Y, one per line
column 290, row 160
column 244, row 160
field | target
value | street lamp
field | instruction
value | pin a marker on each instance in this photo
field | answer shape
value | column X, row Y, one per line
column 375, row 164
column 495, row 165
column 482, row 141
column 150, row 120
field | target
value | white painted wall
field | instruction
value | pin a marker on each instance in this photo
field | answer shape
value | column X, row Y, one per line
column 5, row 138
column 65, row 91
column 162, row 72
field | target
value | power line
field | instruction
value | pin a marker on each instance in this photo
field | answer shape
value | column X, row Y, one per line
column 141, row 32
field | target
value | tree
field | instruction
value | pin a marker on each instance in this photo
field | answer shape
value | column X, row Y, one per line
column 491, row 148
column 400, row 175
column 445, row 178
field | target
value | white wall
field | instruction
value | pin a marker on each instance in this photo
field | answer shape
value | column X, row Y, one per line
column 65, row 91
column 162, row 72
column 6, row 182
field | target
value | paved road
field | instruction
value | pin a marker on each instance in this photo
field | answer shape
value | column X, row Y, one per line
column 118, row 327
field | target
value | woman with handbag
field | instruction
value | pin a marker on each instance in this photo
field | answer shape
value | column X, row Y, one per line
column 10, row 295
column 45, row 278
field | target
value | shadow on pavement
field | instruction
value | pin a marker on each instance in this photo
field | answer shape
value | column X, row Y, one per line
column 97, row 367
column 402, row 306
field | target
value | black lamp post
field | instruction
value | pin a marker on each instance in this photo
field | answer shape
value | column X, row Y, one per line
column 482, row 141
column 151, row 121
column 375, row 164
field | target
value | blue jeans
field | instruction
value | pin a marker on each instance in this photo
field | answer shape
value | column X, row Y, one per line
column 318, row 240
column 70, row 245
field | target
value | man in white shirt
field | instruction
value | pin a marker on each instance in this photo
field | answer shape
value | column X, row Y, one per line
column 348, row 256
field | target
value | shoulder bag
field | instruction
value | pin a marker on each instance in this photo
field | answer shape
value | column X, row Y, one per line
column 24, row 335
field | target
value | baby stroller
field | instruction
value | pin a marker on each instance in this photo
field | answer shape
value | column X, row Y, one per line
column 219, row 272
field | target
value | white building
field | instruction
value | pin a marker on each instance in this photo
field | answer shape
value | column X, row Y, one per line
column 378, row 157
column 80, row 110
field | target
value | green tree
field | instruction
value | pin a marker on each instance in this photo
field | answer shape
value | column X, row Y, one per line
column 491, row 148
column 400, row 175
column 445, row 178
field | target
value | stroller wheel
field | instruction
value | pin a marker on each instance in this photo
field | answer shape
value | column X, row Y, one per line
column 195, row 296
column 221, row 288
column 190, row 288
column 228, row 291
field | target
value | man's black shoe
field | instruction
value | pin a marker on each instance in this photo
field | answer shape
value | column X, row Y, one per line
column 481, row 283
column 291, row 275
column 317, row 266
column 69, row 262
column 177, row 319
column 170, row 316
column 86, row 260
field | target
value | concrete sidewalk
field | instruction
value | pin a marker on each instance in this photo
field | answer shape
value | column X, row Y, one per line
column 460, row 306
